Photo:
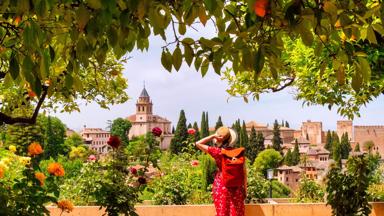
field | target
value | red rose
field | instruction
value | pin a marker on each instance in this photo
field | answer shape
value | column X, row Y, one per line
column 133, row 171
column 260, row 7
column 114, row 141
column 142, row 180
column 156, row 131
column 191, row 131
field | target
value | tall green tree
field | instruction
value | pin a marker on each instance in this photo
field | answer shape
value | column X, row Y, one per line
column 276, row 139
column 260, row 142
column 207, row 132
column 336, row 149
column 219, row 123
column 288, row 158
column 286, row 124
column 75, row 140
column 296, row 154
column 243, row 135
column 345, row 146
column 54, row 133
column 357, row 147
column 181, row 134
column 203, row 126
column 328, row 142
column 189, row 125
column 173, row 130
column 252, row 149
column 197, row 132
column 120, row 127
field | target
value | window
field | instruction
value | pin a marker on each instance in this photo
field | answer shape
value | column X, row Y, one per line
column 286, row 178
column 297, row 180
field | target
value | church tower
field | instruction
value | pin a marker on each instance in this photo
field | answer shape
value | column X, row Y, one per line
column 144, row 107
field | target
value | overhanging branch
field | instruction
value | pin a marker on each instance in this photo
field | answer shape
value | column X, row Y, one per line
column 6, row 119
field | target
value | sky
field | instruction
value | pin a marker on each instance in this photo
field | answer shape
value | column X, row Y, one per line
column 187, row 90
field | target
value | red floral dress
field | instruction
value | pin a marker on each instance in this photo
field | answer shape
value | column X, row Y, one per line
column 228, row 201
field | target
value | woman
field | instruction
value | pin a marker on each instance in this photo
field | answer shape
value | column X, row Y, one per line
column 227, row 200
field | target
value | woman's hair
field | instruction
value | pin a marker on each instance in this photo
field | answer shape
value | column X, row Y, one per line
column 224, row 131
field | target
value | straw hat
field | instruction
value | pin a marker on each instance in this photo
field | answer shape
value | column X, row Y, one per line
column 227, row 133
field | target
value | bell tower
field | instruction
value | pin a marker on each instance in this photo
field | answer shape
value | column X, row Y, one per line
column 143, row 106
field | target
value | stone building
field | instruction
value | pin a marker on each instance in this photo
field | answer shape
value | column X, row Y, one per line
column 143, row 121
column 313, row 131
column 96, row 139
column 286, row 134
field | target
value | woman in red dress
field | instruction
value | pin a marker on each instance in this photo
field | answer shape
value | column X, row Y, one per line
column 228, row 201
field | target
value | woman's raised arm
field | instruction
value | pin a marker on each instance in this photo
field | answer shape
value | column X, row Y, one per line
column 201, row 144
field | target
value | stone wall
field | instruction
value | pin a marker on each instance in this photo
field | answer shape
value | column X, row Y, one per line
column 314, row 131
column 363, row 134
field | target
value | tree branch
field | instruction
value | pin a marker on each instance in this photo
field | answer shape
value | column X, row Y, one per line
column 6, row 119
column 288, row 82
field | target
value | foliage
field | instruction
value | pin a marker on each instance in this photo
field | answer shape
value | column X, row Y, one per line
column 309, row 191
column 74, row 140
column 257, row 187
column 336, row 149
column 219, row 123
column 27, row 194
column 328, row 142
column 347, row 192
column 288, row 158
column 208, row 167
column 296, row 154
column 79, row 152
column 181, row 134
column 23, row 135
column 276, row 139
column 368, row 146
column 120, row 127
column 117, row 191
column 267, row 159
column 243, row 135
column 345, row 146
column 197, row 132
column 54, row 133
column 145, row 150
column 253, row 147
column 357, row 148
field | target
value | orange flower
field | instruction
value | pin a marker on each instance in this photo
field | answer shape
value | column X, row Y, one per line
column 35, row 149
column 260, row 7
column 41, row 177
column 1, row 172
column 56, row 169
column 65, row 205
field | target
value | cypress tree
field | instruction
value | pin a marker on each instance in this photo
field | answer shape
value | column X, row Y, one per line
column 173, row 129
column 282, row 123
column 357, row 147
column 296, row 154
column 207, row 122
column 181, row 134
column 219, row 123
column 336, row 149
column 328, row 142
column 243, row 136
column 345, row 146
column 260, row 142
column 288, row 158
column 203, row 126
column 286, row 124
column 276, row 140
column 189, row 125
column 253, row 148
column 197, row 133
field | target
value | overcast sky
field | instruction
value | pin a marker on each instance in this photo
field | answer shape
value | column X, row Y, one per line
column 186, row 89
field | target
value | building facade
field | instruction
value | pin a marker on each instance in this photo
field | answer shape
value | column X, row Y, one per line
column 96, row 139
column 143, row 121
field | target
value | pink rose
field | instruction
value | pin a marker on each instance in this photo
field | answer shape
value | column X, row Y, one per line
column 92, row 158
column 191, row 131
column 195, row 163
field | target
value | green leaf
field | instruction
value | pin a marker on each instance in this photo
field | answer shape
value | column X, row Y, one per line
column 166, row 60
column 42, row 8
column 210, row 5
column 371, row 35
column 197, row 63
column 379, row 28
column 94, row 4
column 44, row 65
column 188, row 41
column 14, row 68
column 68, row 81
column 27, row 69
column 188, row 54
column 365, row 68
column 113, row 36
column 52, row 53
column 177, row 58
column 82, row 16
column 330, row 8
column 204, row 67
column 341, row 74
column 357, row 80
column 259, row 61
column 182, row 28
column 202, row 15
